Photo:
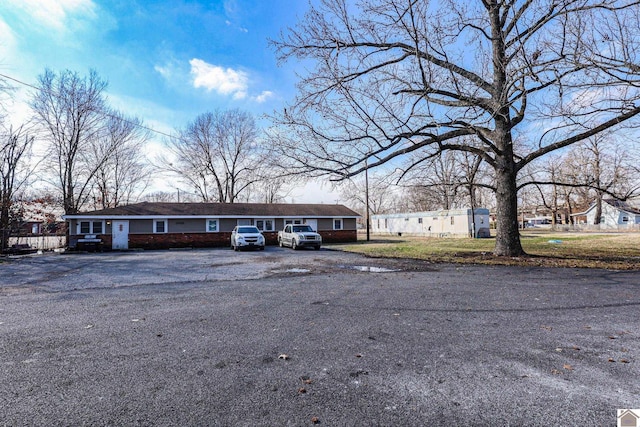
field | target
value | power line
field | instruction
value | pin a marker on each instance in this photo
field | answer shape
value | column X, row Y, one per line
column 104, row 113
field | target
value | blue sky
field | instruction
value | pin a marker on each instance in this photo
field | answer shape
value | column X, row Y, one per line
column 166, row 61
column 178, row 56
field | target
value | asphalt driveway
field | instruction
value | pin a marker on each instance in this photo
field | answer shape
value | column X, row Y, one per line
column 215, row 337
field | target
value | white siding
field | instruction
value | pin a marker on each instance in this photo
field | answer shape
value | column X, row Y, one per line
column 612, row 217
column 451, row 223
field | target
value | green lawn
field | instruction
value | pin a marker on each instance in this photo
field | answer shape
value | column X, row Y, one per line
column 589, row 250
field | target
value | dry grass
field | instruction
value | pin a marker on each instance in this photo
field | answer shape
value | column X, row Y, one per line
column 618, row 251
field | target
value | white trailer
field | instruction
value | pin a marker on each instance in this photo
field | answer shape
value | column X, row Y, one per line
column 444, row 223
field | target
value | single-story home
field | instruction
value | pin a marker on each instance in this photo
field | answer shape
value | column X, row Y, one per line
column 443, row 223
column 615, row 214
column 173, row 225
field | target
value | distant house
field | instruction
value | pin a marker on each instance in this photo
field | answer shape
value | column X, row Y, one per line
column 444, row 223
column 615, row 214
column 174, row 225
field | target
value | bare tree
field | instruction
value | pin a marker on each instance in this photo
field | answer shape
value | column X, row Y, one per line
column 382, row 194
column 436, row 183
column 590, row 171
column 15, row 168
column 122, row 171
column 447, row 180
column 398, row 77
column 160, row 196
column 270, row 187
column 217, row 155
column 600, row 165
column 71, row 110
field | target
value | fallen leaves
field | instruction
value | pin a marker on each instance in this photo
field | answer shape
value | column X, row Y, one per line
column 565, row 367
column 612, row 360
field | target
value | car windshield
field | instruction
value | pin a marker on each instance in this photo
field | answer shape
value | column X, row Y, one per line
column 246, row 230
column 302, row 228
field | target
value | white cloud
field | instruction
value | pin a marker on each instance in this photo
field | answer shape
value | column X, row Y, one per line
column 165, row 71
column 263, row 97
column 225, row 81
column 56, row 14
column 241, row 29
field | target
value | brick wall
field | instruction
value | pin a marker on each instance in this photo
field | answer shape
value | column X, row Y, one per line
column 179, row 240
column 339, row 236
column 205, row 240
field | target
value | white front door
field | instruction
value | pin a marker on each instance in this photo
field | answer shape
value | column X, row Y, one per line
column 313, row 223
column 120, row 235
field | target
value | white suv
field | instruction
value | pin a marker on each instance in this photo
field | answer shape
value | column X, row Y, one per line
column 246, row 236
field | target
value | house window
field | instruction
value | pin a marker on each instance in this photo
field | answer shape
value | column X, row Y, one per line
column 386, row 223
column 212, row 225
column 625, row 219
column 265, row 224
column 337, row 223
column 419, row 220
column 91, row 227
column 244, row 221
column 292, row 221
column 452, row 220
column 160, row 226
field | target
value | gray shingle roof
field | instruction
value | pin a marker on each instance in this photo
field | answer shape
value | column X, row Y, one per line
column 223, row 209
column 624, row 206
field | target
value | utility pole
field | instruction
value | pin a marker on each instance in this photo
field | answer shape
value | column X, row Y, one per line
column 366, row 195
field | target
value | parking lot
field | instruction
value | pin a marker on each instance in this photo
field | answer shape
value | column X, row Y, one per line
column 282, row 337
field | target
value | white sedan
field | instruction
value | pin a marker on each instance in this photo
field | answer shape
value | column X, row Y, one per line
column 246, row 236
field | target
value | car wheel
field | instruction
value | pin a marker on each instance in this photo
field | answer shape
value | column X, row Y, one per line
column 262, row 248
column 317, row 248
column 280, row 243
column 294, row 245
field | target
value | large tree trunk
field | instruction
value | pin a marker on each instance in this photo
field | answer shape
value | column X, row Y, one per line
column 5, row 226
column 598, row 215
column 508, row 233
